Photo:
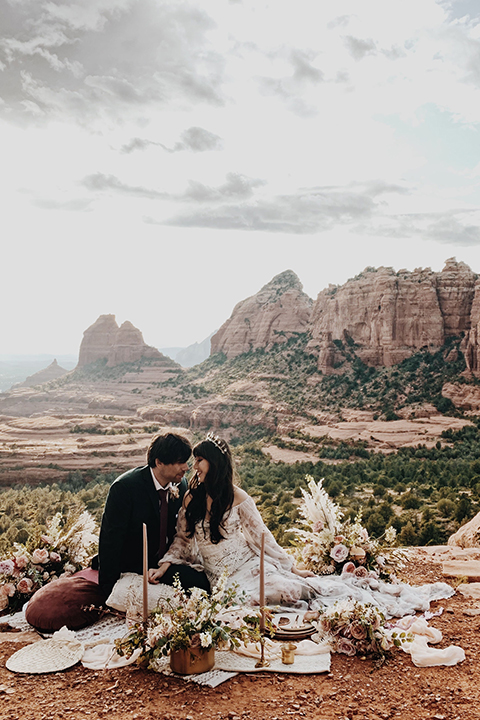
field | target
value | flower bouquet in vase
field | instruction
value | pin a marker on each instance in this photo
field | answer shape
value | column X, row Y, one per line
column 188, row 627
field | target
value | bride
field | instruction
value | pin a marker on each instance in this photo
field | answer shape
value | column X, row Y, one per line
column 219, row 526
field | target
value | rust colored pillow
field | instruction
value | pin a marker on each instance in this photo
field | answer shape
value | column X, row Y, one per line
column 64, row 602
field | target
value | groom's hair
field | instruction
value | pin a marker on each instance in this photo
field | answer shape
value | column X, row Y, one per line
column 168, row 449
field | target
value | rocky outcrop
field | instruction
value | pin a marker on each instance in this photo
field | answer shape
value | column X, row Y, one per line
column 468, row 535
column 52, row 372
column 389, row 315
column 455, row 290
column 471, row 346
column 104, row 340
column 277, row 311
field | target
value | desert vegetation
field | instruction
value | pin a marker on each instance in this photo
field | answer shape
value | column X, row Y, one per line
column 425, row 493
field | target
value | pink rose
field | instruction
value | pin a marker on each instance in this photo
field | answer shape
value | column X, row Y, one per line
column 46, row 539
column 339, row 539
column 40, row 556
column 7, row 567
column 357, row 630
column 318, row 526
column 345, row 646
column 55, row 557
column 348, row 568
column 21, row 561
column 361, row 572
column 339, row 553
column 8, row 589
column 25, row 586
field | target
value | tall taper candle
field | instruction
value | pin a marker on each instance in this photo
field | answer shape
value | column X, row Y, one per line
column 262, row 584
column 145, row 574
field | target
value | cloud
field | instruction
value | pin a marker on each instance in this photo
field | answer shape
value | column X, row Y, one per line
column 307, row 211
column 237, row 186
column 97, row 58
column 98, row 182
column 449, row 229
column 359, row 48
column 195, row 139
column 290, row 88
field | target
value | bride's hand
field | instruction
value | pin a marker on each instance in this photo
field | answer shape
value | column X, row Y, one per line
column 302, row 573
column 154, row 575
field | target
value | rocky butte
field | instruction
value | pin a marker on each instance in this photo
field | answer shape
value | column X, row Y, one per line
column 390, row 315
column 104, row 340
column 279, row 309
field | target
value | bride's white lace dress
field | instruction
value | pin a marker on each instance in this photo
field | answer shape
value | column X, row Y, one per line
column 239, row 554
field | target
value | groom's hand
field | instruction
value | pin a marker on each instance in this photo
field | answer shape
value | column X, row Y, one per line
column 154, row 575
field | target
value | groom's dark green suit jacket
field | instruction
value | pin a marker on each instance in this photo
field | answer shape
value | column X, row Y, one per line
column 132, row 501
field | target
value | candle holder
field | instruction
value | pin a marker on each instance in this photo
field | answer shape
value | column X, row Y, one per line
column 262, row 662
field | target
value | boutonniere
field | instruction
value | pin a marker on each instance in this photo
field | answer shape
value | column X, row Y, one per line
column 174, row 492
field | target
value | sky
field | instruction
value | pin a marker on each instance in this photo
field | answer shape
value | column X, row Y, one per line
column 161, row 161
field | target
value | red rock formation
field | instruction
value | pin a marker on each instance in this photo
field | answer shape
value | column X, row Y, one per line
column 97, row 340
column 389, row 316
column 105, row 340
column 279, row 309
column 455, row 290
column 129, row 346
column 471, row 346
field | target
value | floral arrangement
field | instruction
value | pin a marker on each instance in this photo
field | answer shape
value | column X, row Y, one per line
column 192, row 621
column 354, row 628
column 65, row 548
column 331, row 545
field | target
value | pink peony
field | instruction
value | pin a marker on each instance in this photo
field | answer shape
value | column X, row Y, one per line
column 339, row 553
column 348, row 568
column 7, row 567
column 361, row 572
column 55, row 557
column 25, row 586
column 318, row 526
column 345, row 646
column 40, row 556
column 21, row 561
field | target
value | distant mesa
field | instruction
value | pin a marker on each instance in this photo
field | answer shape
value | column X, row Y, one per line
column 105, row 340
column 194, row 354
column 277, row 311
column 52, row 372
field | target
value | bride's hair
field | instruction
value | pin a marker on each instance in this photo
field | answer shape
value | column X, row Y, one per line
column 218, row 484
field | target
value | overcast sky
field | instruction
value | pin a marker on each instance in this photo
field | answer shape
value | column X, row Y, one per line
column 163, row 160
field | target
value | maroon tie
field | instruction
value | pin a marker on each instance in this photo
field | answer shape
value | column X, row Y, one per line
column 162, row 546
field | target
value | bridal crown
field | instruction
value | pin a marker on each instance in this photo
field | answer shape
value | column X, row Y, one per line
column 218, row 442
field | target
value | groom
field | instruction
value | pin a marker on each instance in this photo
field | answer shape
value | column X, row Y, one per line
column 152, row 495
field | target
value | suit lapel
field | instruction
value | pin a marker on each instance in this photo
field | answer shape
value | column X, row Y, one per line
column 151, row 492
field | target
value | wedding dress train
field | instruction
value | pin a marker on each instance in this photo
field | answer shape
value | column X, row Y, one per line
column 239, row 554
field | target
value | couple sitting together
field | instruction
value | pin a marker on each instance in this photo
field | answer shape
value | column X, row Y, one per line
column 200, row 529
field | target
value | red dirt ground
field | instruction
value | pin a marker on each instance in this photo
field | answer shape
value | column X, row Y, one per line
column 352, row 690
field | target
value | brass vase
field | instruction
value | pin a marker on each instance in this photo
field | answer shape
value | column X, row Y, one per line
column 192, row 660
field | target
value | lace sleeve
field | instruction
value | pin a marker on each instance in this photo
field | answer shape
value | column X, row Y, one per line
column 183, row 550
column 253, row 527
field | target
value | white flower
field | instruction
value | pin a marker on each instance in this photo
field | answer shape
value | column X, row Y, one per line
column 339, row 553
column 205, row 640
column 390, row 535
column 173, row 491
